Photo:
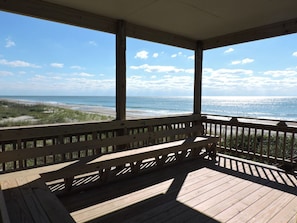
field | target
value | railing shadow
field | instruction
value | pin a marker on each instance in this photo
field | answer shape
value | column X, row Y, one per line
column 164, row 206
column 258, row 173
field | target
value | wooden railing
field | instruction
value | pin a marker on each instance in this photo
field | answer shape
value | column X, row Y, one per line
column 268, row 141
column 35, row 146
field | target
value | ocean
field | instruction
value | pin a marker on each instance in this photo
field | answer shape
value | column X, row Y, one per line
column 278, row 108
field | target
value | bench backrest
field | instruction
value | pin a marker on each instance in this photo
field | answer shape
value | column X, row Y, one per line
column 34, row 146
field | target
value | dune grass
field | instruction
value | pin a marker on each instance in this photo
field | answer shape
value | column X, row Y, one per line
column 19, row 114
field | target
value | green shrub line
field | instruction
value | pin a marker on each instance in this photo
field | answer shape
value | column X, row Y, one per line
column 43, row 114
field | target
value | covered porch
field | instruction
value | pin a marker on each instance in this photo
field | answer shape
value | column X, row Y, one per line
column 181, row 185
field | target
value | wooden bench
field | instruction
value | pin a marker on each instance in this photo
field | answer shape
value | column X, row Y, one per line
column 85, row 147
column 189, row 147
column 28, row 199
column 30, row 147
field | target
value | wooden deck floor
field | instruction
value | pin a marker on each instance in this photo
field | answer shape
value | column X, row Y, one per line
column 232, row 190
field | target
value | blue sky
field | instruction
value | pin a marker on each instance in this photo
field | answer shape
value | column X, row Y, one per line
column 38, row 57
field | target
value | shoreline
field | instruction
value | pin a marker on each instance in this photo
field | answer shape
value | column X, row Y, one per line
column 159, row 108
column 105, row 111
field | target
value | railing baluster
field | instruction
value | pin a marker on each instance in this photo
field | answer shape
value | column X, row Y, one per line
column 225, row 138
column 220, row 140
column 292, row 147
column 268, row 145
column 284, row 145
column 255, row 144
column 249, row 141
column 261, row 144
column 35, row 159
column 276, row 146
column 242, row 138
column 231, row 137
column 210, row 129
column 236, row 139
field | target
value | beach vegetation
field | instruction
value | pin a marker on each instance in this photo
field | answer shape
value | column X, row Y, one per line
column 258, row 147
column 21, row 114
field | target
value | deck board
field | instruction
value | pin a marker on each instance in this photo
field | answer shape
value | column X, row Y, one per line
column 231, row 190
column 290, row 210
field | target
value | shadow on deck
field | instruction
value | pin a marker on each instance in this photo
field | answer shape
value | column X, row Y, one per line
column 231, row 190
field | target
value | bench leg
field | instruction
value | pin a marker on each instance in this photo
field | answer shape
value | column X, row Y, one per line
column 195, row 152
column 68, row 183
column 135, row 166
column 180, row 155
column 160, row 160
column 103, row 175
column 212, row 151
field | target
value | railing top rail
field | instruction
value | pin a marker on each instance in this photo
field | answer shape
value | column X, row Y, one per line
column 251, row 118
column 39, row 131
column 266, row 124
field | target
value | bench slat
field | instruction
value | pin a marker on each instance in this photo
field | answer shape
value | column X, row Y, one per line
column 90, row 164
column 16, row 206
column 3, row 208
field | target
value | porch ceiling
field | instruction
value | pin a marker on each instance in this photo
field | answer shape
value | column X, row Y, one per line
column 214, row 22
column 199, row 20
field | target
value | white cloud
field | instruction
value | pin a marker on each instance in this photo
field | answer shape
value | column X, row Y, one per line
column 18, row 63
column 39, row 77
column 92, row 43
column 9, row 43
column 176, row 54
column 236, row 62
column 227, row 72
column 167, row 83
column 241, row 81
column 247, row 60
column 142, row 54
column 281, row 73
column 191, row 57
column 83, row 74
column 155, row 55
column 294, row 54
column 57, row 78
column 229, row 50
column 161, row 69
column 5, row 73
column 67, row 85
column 244, row 61
column 57, row 65
column 89, row 84
column 77, row 67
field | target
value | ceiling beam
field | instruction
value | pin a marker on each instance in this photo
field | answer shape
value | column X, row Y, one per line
column 144, row 33
column 58, row 13
column 272, row 30
column 63, row 14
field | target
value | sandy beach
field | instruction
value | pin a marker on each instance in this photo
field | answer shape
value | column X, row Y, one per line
column 131, row 114
column 105, row 111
